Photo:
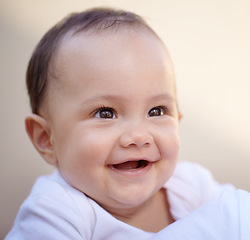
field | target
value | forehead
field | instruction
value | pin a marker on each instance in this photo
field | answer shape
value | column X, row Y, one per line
column 90, row 49
column 124, row 54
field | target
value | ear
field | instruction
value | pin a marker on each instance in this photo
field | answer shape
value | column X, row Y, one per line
column 40, row 135
column 180, row 116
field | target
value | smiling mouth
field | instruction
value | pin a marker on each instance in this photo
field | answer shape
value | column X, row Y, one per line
column 131, row 165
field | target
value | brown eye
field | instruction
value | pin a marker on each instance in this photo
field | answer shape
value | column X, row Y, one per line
column 156, row 111
column 105, row 113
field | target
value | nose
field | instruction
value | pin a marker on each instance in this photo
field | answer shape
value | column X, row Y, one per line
column 137, row 136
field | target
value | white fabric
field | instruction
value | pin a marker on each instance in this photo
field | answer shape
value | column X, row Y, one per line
column 190, row 187
column 227, row 218
column 55, row 210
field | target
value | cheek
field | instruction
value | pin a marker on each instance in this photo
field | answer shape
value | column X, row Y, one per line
column 81, row 162
column 168, row 146
column 168, row 142
column 83, row 152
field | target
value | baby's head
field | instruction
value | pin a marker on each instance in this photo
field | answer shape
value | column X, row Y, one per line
column 105, row 113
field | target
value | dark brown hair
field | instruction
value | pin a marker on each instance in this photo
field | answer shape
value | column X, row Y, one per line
column 97, row 19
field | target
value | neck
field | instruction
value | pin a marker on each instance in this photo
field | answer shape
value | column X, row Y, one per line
column 152, row 216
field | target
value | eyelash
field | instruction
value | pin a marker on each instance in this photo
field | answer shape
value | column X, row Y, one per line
column 164, row 110
column 103, row 108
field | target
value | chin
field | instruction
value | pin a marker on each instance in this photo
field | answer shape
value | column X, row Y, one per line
column 133, row 198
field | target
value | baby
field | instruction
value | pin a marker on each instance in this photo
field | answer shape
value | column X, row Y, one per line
column 105, row 114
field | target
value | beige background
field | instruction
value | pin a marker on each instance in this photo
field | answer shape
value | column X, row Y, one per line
column 210, row 45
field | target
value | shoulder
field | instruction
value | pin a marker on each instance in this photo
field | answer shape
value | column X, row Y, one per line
column 54, row 210
column 54, row 189
column 191, row 186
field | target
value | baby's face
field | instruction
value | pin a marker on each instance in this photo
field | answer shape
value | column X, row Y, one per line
column 114, row 117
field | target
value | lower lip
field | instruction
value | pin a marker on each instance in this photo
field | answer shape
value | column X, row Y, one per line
column 137, row 172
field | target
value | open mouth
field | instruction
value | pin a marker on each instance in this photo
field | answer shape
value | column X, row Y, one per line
column 131, row 165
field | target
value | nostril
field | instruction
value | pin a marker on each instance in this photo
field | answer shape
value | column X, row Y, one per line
column 135, row 141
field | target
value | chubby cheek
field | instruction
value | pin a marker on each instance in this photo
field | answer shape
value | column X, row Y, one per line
column 82, row 158
column 171, row 145
column 168, row 144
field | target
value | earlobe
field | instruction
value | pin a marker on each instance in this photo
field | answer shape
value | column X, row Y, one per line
column 39, row 133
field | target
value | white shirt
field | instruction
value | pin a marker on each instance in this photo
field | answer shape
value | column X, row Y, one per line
column 227, row 218
column 55, row 210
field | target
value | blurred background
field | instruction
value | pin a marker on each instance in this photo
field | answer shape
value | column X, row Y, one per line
column 209, row 42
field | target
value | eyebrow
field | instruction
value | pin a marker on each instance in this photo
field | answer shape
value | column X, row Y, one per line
column 158, row 97
column 164, row 96
column 103, row 97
